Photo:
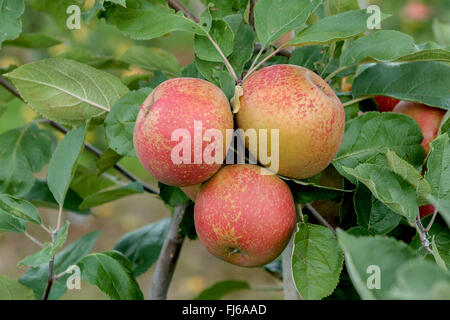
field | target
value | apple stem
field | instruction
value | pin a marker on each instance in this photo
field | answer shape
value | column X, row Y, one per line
column 167, row 261
column 251, row 70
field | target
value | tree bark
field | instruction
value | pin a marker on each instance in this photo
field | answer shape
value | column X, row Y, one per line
column 168, row 258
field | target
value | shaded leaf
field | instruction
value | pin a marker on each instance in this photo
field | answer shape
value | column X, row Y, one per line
column 221, row 289
column 103, row 197
column 12, row 290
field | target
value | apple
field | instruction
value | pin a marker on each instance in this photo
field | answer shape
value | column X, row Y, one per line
column 386, row 104
column 428, row 118
column 184, row 105
column 192, row 191
column 243, row 216
column 426, row 210
column 302, row 106
column 417, row 11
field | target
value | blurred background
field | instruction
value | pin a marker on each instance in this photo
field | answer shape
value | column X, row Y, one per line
column 425, row 20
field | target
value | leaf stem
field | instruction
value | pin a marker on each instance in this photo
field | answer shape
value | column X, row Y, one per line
column 335, row 72
column 430, row 224
column 178, row 6
column 349, row 103
column 58, row 224
column 224, row 58
column 422, row 234
column 36, row 241
column 263, row 61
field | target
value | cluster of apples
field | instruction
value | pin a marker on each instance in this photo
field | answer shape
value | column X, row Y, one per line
column 243, row 214
column 429, row 120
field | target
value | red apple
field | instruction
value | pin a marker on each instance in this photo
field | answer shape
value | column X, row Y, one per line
column 426, row 210
column 243, row 216
column 386, row 104
column 429, row 119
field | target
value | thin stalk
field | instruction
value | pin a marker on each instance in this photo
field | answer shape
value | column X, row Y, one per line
column 319, row 217
column 335, row 72
column 349, row 103
column 36, row 241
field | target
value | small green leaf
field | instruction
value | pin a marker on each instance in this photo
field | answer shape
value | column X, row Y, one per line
column 227, row 83
column 152, row 59
column 370, row 135
column 12, row 290
column 273, row 18
column 33, row 40
column 119, row 123
column 389, row 188
column 112, row 273
column 64, row 162
column 142, row 246
column 36, row 278
column 437, row 257
column 103, row 197
column 10, row 22
column 425, row 82
column 172, row 196
column 221, row 289
column 317, row 261
column 107, row 160
column 438, row 167
column 306, row 56
column 67, row 91
column 410, row 174
column 60, row 238
column 10, row 223
column 334, row 28
column 373, row 258
column 19, row 208
column 222, row 34
column 373, row 215
column 24, row 151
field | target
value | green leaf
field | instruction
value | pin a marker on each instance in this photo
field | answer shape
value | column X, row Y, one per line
column 410, row 174
column 222, row 34
column 152, row 59
column 420, row 280
column 142, row 246
column 370, row 135
column 33, row 41
column 10, row 223
column 445, row 124
column 64, row 162
column 40, row 195
column 273, row 18
column 437, row 256
column 438, row 165
column 56, row 9
column 389, row 188
column 86, row 182
column 67, row 91
column 148, row 19
column 384, row 254
column 36, row 278
column 443, row 206
column 12, row 290
column 334, row 28
column 207, row 69
column 10, row 22
column 19, row 208
column 119, row 123
column 243, row 45
column 96, row 61
column 373, row 215
column 333, row 7
column 222, row 8
column 226, row 82
column 24, row 151
column 107, row 160
column 172, row 196
column 424, row 82
column 441, row 32
column 112, row 273
column 317, row 261
column 103, row 197
column 306, row 56
column 48, row 252
column 221, row 289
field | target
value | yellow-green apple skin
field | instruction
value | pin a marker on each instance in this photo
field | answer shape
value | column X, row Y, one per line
column 243, row 216
column 308, row 114
column 428, row 118
column 176, row 104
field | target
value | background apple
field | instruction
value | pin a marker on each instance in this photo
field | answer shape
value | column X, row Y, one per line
column 386, row 104
column 244, row 217
column 429, row 119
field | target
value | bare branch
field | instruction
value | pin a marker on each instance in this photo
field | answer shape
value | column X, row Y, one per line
column 177, row 6
column 251, row 17
column 168, row 257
